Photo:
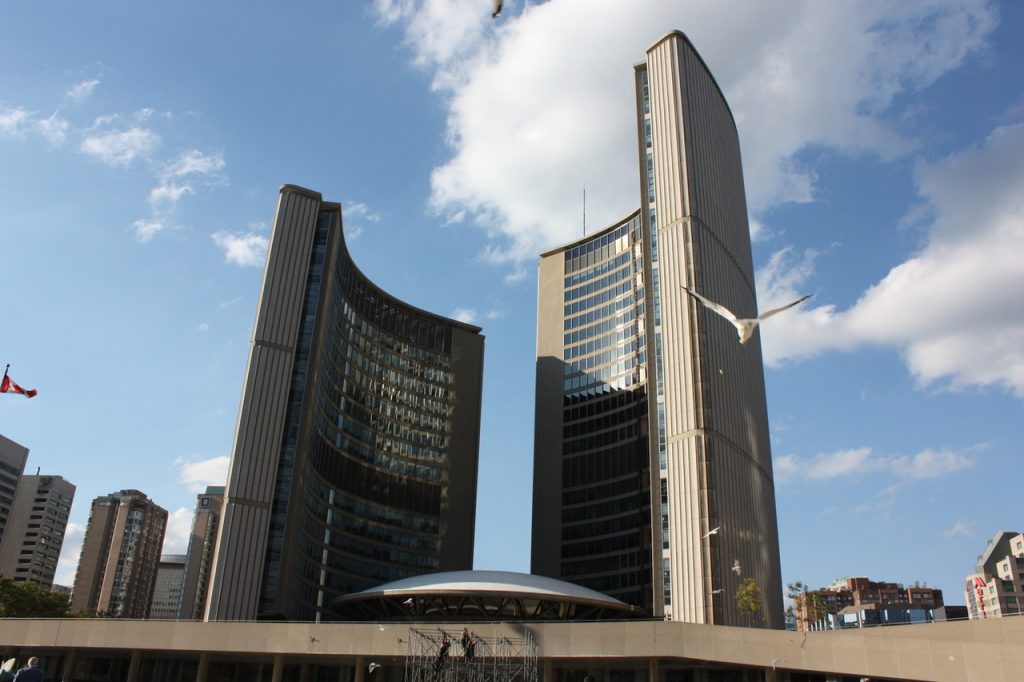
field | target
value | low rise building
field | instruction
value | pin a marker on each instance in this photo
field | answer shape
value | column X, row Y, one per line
column 857, row 602
column 997, row 587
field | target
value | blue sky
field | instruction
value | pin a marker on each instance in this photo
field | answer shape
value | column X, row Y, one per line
column 142, row 146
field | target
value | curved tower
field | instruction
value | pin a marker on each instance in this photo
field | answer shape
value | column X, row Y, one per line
column 652, row 446
column 355, row 455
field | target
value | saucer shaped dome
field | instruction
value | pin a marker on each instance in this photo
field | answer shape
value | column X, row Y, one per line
column 459, row 596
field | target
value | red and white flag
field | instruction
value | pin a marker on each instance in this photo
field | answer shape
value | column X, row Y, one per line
column 8, row 386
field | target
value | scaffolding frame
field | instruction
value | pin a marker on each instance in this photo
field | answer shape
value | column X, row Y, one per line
column 443, row 656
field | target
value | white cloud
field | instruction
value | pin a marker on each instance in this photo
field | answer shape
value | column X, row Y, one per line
column 168, row 193
column 179, row 530
column 467, row 315
column 203, row 327
column 195, row 162
column 514, row 164
column 958, row 528
column 249, row 249
column 80, row 91
column 145, row 229
column 14, row 121
column 121, row 147
column 70, row 551
column 828, row 465
column 357, row 209
column 199, row 474
column 954, row 309
column 54, row 129
column 494, row 314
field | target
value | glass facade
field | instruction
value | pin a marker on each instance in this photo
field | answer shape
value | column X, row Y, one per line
column 363, row 477
column 605, row 498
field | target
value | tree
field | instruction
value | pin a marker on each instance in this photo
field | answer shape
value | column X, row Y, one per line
column 26, row 600
column 810, row 605
column 748, row 600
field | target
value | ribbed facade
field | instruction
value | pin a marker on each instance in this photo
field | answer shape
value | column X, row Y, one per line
column 355, row 454
column 651, row 418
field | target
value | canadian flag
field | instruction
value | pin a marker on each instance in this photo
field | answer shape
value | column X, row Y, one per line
column 8, row 386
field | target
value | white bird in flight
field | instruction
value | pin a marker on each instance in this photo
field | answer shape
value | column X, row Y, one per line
column 736, row 566
column 745, row 327
column 713, row 531
column 372, row 667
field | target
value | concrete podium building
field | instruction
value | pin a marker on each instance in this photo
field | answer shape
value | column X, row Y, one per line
column 355, row 456
column 652, row 467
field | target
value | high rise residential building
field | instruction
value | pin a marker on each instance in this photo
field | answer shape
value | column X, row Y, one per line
column 120, row 553
column 652, row 466
column 170, row 575
column 355, row 455
column 201, row 545
column 35, row 530
column 12, row 465
column 996, row 588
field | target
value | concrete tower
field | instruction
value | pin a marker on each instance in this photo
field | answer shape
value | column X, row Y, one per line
column 653, row 472
column 355, row 455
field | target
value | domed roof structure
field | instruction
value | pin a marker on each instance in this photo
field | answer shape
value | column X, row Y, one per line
column 481, row 595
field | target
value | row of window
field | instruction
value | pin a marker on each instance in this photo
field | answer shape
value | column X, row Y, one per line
column 610, row 339
column 601, row 423
column 604, row 374
column 600, row 248
column 604, row 311
column 577, row 307
column 630, row 504
column 378, row 454
column 423, row 365
column 605, row 465
column 599, row 284
column 596, row 271
column 626, row 350
column 606, row 564
column 602, row 327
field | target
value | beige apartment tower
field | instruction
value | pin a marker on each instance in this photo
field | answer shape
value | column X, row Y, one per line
column 120, row 555
column 355, row 455
column 652, row 471
column 201, row 545
column 35, row 530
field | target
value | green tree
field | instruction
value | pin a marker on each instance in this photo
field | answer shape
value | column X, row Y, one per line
column 748, row 600
column 26, row 600
column 809, row 604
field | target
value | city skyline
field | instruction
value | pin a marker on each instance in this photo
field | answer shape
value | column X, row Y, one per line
column 135, row 199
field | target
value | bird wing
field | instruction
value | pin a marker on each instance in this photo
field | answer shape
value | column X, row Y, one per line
column 769, row 313
column 717, row 307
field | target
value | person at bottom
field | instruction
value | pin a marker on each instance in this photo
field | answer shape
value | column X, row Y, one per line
column 31, row 672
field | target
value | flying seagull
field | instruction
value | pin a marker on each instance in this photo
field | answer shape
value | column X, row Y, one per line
column 745, row 327
column 496, row 8
column 409, row 601
column 736, row 566
column 713, row 531
column 372, row 667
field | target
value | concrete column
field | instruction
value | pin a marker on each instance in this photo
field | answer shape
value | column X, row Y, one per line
column 548, row 671
column 133, row 666
column 360, row 669
column 278, row 673
column 204, row 667
column 69, row 665
column 652, row 670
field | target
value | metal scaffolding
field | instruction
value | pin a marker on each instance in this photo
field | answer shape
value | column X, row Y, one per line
column 463, row 656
